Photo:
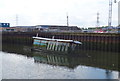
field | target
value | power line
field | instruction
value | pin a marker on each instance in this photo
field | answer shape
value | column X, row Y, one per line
column 98, row 22
column 67, row 20
column 110, row 12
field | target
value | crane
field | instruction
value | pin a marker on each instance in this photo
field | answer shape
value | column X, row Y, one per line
column 110, row 12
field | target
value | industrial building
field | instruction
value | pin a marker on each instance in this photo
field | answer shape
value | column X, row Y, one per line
column 25, row 28
column 8, row 29
column 43, row 28
column 57, row 28
column 4, row 24
column 5, row 27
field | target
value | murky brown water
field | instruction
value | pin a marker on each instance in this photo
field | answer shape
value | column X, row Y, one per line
column 18, row 62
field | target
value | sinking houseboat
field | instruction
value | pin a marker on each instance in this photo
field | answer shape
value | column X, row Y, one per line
column 52, row 44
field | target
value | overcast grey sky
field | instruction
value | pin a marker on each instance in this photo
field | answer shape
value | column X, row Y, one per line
column 81, row 13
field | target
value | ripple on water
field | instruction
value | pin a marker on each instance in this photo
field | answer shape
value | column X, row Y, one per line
column 21, row 67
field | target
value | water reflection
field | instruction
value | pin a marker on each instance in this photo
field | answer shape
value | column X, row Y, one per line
column 44, row 64
column 100, row 59
column 22, row 67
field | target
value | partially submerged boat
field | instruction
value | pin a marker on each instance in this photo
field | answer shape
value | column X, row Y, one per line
column 52, row 44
